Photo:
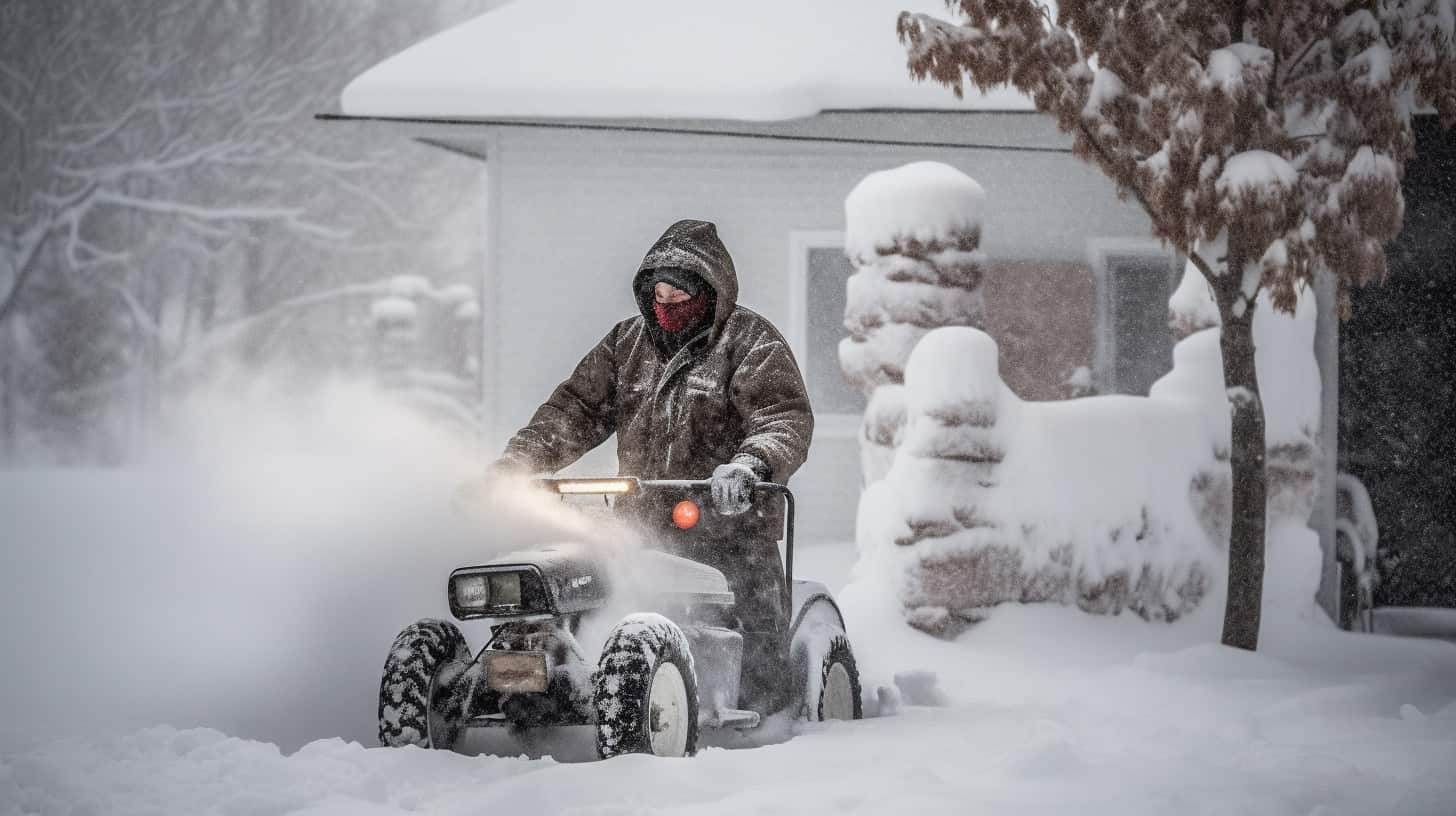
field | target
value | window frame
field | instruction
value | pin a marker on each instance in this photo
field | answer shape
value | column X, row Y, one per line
column 1104, row 339
column 830, row 425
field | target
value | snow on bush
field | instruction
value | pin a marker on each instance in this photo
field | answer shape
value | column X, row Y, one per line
column 393, row 310
column 1107, row 502
column 1191, row 307
column 991, row 499
column 422, row 345
column 1289, row 387
column 913, row 234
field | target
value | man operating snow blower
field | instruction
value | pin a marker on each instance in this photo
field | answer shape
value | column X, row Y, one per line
column 695, row 387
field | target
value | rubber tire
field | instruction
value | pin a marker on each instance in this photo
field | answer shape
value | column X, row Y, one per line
column 839, row 653
column 622, row 684
column 419, row 654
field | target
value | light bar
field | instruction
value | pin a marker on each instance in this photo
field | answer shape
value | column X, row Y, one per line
column 594, row 486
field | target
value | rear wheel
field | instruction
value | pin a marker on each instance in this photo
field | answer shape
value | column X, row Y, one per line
column 839, row 690
column 418, row 701
column 827, row 675
column 644, row 690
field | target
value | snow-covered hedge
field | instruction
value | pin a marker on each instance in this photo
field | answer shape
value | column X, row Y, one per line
column 1108, row 502
column 913, row 234
column 1111, row 503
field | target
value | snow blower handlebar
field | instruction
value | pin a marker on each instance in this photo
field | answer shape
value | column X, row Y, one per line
column 767, row 487
column 624, row 486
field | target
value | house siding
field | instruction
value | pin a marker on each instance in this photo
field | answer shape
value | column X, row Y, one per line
column 575, row 211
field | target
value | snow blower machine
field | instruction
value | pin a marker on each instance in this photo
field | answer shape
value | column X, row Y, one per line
column 674, row 664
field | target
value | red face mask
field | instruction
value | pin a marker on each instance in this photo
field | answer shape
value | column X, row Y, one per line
column 674, row 317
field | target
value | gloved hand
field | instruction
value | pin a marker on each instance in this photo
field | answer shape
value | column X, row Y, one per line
column 732, row 488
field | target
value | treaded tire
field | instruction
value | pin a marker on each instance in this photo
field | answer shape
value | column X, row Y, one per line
column 421, row 654
column 622, row 685
column 839, row 656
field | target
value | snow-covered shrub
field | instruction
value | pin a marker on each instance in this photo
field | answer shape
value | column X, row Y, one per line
column 913, row 234
column 1289, row 387
column 991, row 499
column 423, row 339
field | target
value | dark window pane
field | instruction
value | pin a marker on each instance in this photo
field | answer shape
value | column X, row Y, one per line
column 1138, row 291
column 826, row 271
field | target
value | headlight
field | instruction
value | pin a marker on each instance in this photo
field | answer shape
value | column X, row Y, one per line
column 505, row 589
column 496, row 594
column 471, row 592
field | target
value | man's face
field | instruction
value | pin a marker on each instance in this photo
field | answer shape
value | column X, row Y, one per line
column 665, row 292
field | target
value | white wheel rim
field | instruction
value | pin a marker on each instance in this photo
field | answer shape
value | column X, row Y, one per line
column 667, row 712
column 838, row 695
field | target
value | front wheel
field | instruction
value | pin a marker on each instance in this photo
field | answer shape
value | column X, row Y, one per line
column 416, row 702
column 645, row 691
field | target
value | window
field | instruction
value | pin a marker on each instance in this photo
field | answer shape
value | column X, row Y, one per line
column 1133, row 345
column 818, row 270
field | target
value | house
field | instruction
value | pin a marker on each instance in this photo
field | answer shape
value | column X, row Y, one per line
column 601, row 123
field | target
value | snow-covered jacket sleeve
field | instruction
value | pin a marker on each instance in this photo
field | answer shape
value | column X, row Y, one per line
column 768, row 391
column 579, row 415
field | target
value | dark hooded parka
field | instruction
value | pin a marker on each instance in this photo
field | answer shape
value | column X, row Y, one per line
column 730, row 392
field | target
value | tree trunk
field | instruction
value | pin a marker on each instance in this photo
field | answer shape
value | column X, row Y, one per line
column 1246, row 461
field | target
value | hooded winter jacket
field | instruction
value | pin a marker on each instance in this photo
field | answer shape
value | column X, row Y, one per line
column 732, row 392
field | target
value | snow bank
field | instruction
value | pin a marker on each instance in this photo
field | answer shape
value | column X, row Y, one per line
column 1102, row 501
column 748, row 60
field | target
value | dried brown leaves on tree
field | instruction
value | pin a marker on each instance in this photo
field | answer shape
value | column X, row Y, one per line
column 1264, row 139
column 1162, row 95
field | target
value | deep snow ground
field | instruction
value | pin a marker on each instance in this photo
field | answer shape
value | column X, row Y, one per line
column 1196, row 730
column 250, row 577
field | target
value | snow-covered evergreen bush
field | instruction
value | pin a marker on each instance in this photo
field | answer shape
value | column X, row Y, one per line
column 913, row 234
column 991, row 499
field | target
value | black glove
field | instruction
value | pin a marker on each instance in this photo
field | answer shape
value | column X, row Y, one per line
column 732, row 488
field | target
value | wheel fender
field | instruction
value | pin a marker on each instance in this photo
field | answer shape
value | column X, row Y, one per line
column 817, row 622
column 813, row 605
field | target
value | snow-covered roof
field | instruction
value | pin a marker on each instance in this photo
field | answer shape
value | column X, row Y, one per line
column 756, row 60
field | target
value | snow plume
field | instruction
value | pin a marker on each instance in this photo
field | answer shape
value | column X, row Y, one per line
column 249, row 575
column 913, row 234
column 1097, row 502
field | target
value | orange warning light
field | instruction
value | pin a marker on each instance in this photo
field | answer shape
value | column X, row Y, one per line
column 685, row 514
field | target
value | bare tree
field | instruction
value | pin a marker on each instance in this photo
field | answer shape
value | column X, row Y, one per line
column 1265, row 139
column 164, row 153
